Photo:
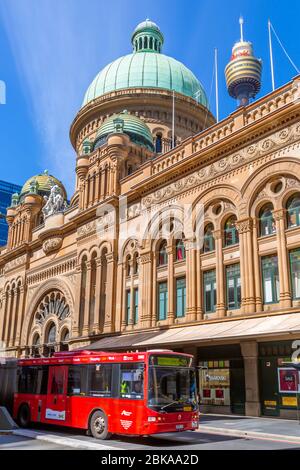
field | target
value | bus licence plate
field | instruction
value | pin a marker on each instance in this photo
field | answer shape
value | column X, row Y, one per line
column 179, row 426
column 187, row 408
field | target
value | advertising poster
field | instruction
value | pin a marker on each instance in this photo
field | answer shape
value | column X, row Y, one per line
column 288, row 380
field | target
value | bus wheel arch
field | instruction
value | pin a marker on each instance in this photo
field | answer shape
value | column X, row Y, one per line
column 98, row 424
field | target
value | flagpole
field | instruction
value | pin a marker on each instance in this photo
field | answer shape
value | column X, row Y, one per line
column 271, row 55
column 217, row 84
column 173, row 120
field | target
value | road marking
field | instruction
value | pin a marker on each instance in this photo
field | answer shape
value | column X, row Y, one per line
column 67, row 441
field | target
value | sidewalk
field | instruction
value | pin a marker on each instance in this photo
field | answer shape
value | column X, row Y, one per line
column 244, row 426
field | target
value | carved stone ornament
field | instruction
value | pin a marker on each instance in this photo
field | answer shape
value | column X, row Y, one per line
column 52, row 244
column 55, row 203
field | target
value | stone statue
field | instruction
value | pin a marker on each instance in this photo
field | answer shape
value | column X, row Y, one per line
column 55, row 202
column 33, row 186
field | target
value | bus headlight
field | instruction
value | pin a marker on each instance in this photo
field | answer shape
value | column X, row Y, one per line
column 151, row 419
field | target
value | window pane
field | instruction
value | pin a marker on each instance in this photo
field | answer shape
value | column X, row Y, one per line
column 270, row 279
column 295, row 272
column 132, row 381
column 128, row 306
column 57, row 384
column 233, row 286
column 76, row 380
column 210, row 290
column 162, row 300
column 100, row 376
column 136, row 305
column 180, row 297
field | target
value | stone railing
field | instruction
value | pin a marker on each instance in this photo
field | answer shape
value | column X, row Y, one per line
column 270, row 103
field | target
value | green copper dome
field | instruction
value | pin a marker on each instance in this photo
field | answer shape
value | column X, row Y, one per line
column 42, row 184
column 129, row 124
column 146, row 67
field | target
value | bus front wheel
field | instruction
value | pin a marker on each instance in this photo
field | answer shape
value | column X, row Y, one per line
column 24, row 416
column 99, row 426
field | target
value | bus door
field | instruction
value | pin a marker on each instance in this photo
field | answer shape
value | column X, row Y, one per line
column 57, row 391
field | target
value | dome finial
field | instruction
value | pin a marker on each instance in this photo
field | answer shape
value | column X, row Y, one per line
column 147, row 37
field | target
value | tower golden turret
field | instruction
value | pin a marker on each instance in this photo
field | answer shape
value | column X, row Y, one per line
column 243, row 72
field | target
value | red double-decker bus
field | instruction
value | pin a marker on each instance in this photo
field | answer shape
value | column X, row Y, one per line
column 137, row 393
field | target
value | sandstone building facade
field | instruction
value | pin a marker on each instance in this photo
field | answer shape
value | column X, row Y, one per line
column 228, row 290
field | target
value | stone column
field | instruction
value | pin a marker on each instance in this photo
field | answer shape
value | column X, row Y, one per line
column 85, row 330
column 130, row 320
column 145, row 286
column 102, row 184
column 199, row 288
column 76, row 323
column 283, row 265
column 123, row 302
column 191, row 281
column 171, row 294
column 246, row 259
column 110, row 296
column 13, row 317
column 96, row 324
column 256, row 267
column 218, row 234
column 250, row 355
column 86, row 192
column 3, row 314
column 97, row 186
column 121, row 273
column 20, row 314
column 154, row 312
column 7, row 317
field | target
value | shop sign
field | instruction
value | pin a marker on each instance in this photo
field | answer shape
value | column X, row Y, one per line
column 289, row 401
column 270, row 403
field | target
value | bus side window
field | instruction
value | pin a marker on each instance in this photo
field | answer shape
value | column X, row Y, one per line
column 77, row 380
column 100, row 380
column 132, row 381
column 57, row 385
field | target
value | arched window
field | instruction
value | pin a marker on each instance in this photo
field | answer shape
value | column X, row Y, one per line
column 140, row 43
column 231, row 236
column 155, row 44
column 35, row 345
column 146, row 43
column 51, row 337
column 209, row 240
column 36, row 340
column 65, row 336
column 151, row 43
column 180, row 251
column 293, row 211
column 267, row 223
column 158, row 143
column 162, row 254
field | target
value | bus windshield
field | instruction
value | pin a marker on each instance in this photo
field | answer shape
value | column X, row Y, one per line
column 171, row 388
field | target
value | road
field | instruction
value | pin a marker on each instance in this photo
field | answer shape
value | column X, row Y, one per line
column 184, row 441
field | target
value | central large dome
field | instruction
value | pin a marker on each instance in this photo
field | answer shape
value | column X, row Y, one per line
column 146, row 67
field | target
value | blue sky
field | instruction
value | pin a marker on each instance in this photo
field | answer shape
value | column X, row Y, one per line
column 50, row 50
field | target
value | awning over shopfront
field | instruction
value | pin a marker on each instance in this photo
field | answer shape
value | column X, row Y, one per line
column 234, row 330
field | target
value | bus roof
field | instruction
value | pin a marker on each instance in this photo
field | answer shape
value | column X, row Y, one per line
column 90, row 357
